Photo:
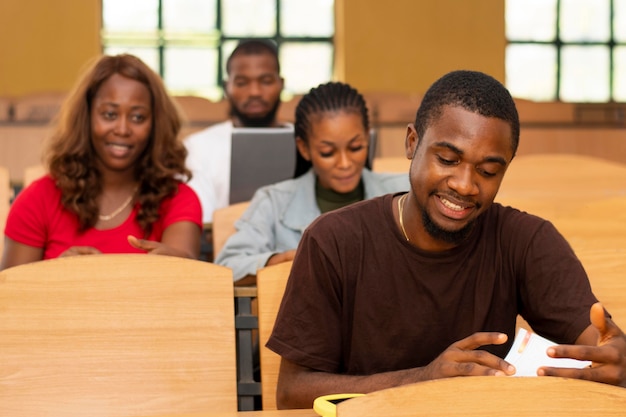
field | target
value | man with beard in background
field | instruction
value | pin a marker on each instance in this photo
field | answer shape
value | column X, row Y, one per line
column 253, row 89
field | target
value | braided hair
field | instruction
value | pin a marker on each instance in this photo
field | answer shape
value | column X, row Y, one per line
column 332, row 97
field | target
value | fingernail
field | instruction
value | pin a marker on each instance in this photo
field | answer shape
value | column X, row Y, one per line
column 499, row 373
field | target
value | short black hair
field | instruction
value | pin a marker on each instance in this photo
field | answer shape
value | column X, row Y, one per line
column 331, row 97
column 254, row 47
column 474, row 91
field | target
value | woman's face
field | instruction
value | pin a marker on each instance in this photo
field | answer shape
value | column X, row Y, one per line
column 121, row 123
column 337, row 149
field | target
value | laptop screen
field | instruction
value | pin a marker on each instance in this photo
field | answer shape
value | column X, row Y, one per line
column 260, row 156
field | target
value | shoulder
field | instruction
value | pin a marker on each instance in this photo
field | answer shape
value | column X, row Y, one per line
column 290, row 186
column 216, row 131
column 279, row 191
column 44, row 187
column 183, row 202
column 514, row 224
column 378, row 183
column 185, row 192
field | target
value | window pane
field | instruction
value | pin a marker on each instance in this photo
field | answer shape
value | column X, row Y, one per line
column 307, row 18
column 585, row 20
column 191, row 71
column 130, row 16
column 150, row 56
column 249, row 17
column 619, row 72
column 530, row 20
column 538, row 84
column 305, row 65
column 189, row 15
column 227, row 48
column 619, row 24
column 585, row 73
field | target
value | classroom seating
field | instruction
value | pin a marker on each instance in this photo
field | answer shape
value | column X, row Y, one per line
column 287, row 109
column 224, row 224
column 38, row 107
column 271, row 282
column 116, row 335
column 475, row 396
column 552, row 185
column 398, row 164
column 6, row 109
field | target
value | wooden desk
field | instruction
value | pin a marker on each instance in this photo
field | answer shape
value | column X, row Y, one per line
column 486, row 396
column 268, row 413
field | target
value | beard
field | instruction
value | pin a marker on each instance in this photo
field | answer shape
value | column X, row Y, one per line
column 454, row 237
column 266, row 120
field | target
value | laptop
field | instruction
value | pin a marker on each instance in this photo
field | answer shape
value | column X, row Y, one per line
column 260, row 156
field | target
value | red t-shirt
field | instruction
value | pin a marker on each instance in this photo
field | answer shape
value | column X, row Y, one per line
column 37, row 218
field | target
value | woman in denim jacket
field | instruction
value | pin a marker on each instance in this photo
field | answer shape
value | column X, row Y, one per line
column 332, row 137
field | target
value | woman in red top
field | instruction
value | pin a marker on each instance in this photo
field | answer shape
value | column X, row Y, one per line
column 115, row 168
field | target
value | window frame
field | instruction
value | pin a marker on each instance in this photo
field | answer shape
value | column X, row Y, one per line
column 160, row 40
column 559, row 44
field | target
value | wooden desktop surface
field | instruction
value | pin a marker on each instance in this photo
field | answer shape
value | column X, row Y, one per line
column 267, row 413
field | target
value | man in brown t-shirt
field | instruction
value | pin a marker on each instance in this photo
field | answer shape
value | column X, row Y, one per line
column 428, row 284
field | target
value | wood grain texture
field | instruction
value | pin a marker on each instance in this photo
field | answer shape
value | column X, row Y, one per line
column 116, row 335
column 483, row 396
column 271, row 282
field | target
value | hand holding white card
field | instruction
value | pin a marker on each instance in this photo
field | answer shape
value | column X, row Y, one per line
column 528, row 353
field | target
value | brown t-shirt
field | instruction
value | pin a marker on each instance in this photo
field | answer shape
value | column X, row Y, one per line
column 361, row 300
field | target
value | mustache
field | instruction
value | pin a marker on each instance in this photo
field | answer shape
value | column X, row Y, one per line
column 255, row 101
column 454, row 197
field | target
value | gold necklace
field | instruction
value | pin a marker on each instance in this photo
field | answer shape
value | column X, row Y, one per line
column 400, row 210
column 125, row 204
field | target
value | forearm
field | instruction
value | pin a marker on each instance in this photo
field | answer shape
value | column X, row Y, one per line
column 241, row 264
column 299, row 389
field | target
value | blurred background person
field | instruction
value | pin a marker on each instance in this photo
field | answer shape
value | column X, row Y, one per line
column 253, row 90
column 332, row 138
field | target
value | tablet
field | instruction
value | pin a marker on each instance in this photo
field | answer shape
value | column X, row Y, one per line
column 260, row 156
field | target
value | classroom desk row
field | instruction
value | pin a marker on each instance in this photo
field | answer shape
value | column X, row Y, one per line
column 477, row 396
column 267, row 413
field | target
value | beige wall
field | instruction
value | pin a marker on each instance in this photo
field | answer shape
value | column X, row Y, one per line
column 45, row 43
column 405, row 45
column 394, row 45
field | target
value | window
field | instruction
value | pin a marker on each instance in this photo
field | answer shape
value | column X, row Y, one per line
column 567, row 50
column 188, row 41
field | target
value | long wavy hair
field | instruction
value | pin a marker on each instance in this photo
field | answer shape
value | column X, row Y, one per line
column 71, row 158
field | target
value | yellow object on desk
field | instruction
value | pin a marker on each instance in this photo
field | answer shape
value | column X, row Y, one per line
column 326, row 406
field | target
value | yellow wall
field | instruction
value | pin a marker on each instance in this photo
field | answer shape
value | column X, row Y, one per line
column 405, row 45
column 45, row 43
column 388, row 45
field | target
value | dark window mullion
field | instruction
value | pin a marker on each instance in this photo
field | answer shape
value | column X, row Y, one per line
column 612, row 44
column 161, row 40
column 220, row 53
column 558, row 45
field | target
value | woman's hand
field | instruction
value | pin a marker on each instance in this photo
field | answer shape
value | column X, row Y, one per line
column 156, row 248
column 281, row 257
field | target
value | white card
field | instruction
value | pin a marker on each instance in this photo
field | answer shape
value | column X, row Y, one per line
column 528, row 353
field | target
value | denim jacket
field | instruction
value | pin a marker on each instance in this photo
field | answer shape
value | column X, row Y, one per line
column 278, row 215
